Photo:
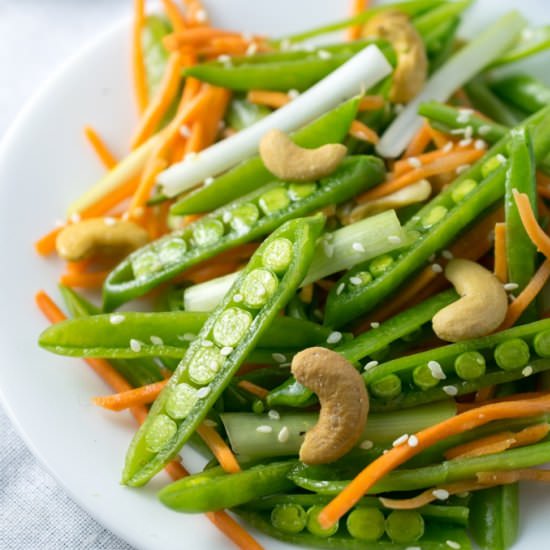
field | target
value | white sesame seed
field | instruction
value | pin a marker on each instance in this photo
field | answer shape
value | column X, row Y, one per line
column 466, row 111
column 334, row 337
column 465, row 142
column 413, row 548
column 358, row 247
column 463, row 118
column 371, row 365
column 366, row 445
column 436, row 370
column 135, row 345
column 511, row 286
column 116, row 319
column 450, row 390
column 440, row 494
column 278, row 357
column 511, row 297
column 436, row 268
column 468, row 132
column 203, row 392
column 226, row 217
column 394, row 239
column 210, row 423
column 109, row 221
column 209, row 180
column 479, row 144
column 75, row 217
column 400, row 440
column 527, row 371
column 226, row 350
column 501, row 158
column 340, row 288
column 355, row 280
column 328, row 249
column 374, row 324
column 483, row 130
column 462, row 168
column 285, row 44
column 201, row 16
column 452, row 544
column 414, row 162
column 413, row 441
column 125, row 216
column 293, row 94
column 274, row 415
column 187, row 337
column 283, row 435
column 185, row 131
column 458, row 131
column 237, row 298
column 156, row 341
column 323, row 54
column 447, row 254
column 448, row 146
column 206, row 344
column 264, row 429
column 252, row 48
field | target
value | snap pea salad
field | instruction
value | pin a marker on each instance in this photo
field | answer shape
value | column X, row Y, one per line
column 321, row 249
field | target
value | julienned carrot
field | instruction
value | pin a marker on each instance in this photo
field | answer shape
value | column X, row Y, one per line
column 371, row 103
column 268, row 98
column 361, row 131
column 160, row 104
column 254, row 389
column 84, row 279
column 196, row 14
column 483, row 394
column 174, row 15
column 78, row 267
column 418, row 143
column 196, row 140
column 398, row 455
column 442, row 165
column 439, row 138
column 501, row 265
column 194, row 37
column 101, row 150
column 534, row 230
column 462, row 407
column 140, row 81
column 219, row 448
column 153, row 168
column 233, row 530
column 357, row 7
column 527, row 295
column 136, row 396
column 46, row 244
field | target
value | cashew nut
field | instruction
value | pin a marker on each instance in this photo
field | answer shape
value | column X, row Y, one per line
column 98, row 235
column 344, row 404
column 412, row 63
column 286, row 160
column 481, row 308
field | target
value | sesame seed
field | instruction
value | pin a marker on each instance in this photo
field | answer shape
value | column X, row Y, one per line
column 209, row 180
column 293, row 94
column 440, row 494
column 527, row 371
column 450, row 390
column 355, row 280
column 264, row 429
column 501, row 158
column 210, row 423
column 462, row 168
column 465, row 142
column 187, row 337
column 447, row 254
column 413, row 548
column 414, row 162
column 226, row 350
column 511, row 286
column 458, row 131
column 448, row 146
column 274, row 415
column 400, row 440
column 413, row 441
column 203, row 392
column 75, row 217
column 185, row 131
column 278, row 357
column 226, row 217
column 366, row 445
column 468, row 132
column 436, row 370
column 206, row 344
column 252, row 48
column 484, row 130
column 237, row 298
column 156, row 341
column 463, row 118
column 334, row 337
column 479, row 144
column 394, row 239
column 283, row 435
column 201, row 16
column 340, row 288
column 116, row 319
column 135, row 345
column 109, row 221
column 328, row 249
column 285, row 44
column 374, row 324
column 358, row 247
column 452, row 544
column 323, row 54
column 436, row 268
column 371, row 365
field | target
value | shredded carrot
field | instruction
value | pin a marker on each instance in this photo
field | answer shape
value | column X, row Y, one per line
column 94, row 279
column 512, row 476
column 110, row 200
column 154, row 167
column 233, row 530
column 197, row 138
column 101, row 150
column 405, row 165
column 439, row 138
column 442, row 165
column 361, row 131
column 160, row 104
column 485, row 446
column 174, row 15
column 396, row 456
column 195, row 37
column 219, row 448
column 461, row 407
column 268, row 98
column 357, row 7
column 140, row 80
column 543, row 210
column 254, row 389
column 137, row 396
column 196, row 14
column 501, row 264
column 78, row 267
column 534, row 230
column 418, row 143
column 176, row 470
column 371, row 103
column 46, row 244
column 213, row 121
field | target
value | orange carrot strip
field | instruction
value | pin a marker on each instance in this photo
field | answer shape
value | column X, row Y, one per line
column 233, row 530
column 442, row 165
column 214, row 118
column 84, row 280
column 406, row 164
column 194, row 37
column 46, row 244
column 78, row 267
column 485, row 394
column 254, row 389
column 137, row 396
column 357, row 7
column 196, row 14
column 418, row 143
column 484, row 446
column 219, row 448
column 174, row 15
column 501, row 264
column 195, row 142
column 140, row 80
column 361, row 131
column 527, row 295
column 461, row 407
column 396, row 456
column 371, row 103
column 534, row 230
column 268, row 98
column 439, row 138
column 175, row 470
column 110, row 200
column 101, row 150
column 512, row 476
column 157, row 108
column 153, row 168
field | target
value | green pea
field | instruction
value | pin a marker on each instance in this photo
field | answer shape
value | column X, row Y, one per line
column 299, row 191
column 274, row 200
column 205, row 364
column 404, row 526
column 244, row 217
column 366, row 524
column 435, row 215
column 463, row 189
column 171, row 251
column 259, row 285
column 313, row 523
column 423, row 377
column 160, row 432
column 258, row 406
column 387, row 387
column 278, row 255
column 208, row 232
column 492, row 164
column 541, row 343
column 290, row 518
column 145, row 264
column 470, row 365
column 380, row 264
column 181, row 401
column 512, row 354
column 231, row 327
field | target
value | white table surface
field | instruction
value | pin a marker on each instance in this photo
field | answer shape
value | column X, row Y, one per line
column 36, row 37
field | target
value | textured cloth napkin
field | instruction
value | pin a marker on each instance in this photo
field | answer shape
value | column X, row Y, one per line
column 36, row 36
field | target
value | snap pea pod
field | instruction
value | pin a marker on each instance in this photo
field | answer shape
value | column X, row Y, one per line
column 436, row 224
column 241, row 113
column 251, row 174
column 440, row 43
column 241, row 221
column 427, row 22
column 155, row 55
column 532, row 41
column 209, row 491
column 523, row 91
column 270, row 279
column 166, row 334
column 292, row 393
column 283, row 71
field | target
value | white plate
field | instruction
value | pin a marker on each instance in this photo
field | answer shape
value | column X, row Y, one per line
column 44, row 164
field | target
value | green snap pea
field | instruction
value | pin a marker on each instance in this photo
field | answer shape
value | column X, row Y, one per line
column 512, row 354
column 440, row 43
column 532, row 41
column 404, row 526
column 161, row 260
column 290, row 518
column 364, row 523
column 470, row 365
column 523, row 91
column 207, row 368
column 241, row 113
column 387, row 387
column 541, row 343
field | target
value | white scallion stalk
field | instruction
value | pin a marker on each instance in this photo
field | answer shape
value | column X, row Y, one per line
column 360, row 73
column 336, row 251
column 460, row 68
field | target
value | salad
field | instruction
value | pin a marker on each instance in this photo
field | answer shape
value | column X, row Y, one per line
column 333, row 260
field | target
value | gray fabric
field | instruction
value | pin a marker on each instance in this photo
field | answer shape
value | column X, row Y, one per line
column 37, row 35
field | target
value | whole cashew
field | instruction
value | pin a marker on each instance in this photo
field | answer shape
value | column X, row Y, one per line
column 412, row 63
column 481, row 308
column 344, row 404
column 88, row 237
column 286, row 160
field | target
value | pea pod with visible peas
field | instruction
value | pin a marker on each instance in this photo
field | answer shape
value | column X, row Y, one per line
column 263, row 288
